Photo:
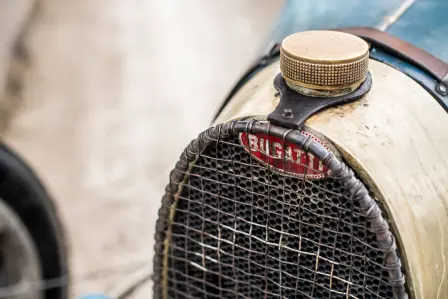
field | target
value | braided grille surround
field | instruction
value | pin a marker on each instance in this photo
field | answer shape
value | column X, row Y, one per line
column 230, row 227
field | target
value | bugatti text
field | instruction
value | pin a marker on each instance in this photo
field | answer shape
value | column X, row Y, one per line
column 283, row 151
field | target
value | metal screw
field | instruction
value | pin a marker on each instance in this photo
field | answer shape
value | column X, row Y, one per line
column 287, row 113
column 442, row 89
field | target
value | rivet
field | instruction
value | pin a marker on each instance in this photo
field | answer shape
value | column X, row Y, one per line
column 442, row 89
column 287, row 113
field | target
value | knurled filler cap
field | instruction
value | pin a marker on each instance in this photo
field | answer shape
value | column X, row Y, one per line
column 324, row 63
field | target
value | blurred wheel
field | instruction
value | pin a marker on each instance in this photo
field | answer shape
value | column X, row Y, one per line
column 32, row 243
column 19, row 261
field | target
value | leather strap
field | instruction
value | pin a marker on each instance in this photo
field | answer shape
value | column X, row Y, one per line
column 397, row 47
column 404, row 50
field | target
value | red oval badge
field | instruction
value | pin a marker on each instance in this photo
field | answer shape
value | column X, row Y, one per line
column 284, row 156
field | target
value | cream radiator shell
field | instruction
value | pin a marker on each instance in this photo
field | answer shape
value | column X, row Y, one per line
column 396, row 139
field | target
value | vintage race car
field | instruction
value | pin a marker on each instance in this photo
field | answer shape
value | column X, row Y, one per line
column 325, row 173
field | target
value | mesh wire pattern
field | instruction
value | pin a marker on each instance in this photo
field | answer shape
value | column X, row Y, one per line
column 230, row 227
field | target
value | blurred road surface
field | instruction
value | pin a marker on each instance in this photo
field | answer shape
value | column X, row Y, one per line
column 114, row 91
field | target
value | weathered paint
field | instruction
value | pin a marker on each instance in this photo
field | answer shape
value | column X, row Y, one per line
column 283, row 156
column 395, row 138
column 420, row 76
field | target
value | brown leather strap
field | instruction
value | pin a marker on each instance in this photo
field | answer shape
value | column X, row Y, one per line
column 404, row 50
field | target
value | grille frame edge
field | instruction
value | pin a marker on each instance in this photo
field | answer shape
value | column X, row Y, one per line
column 340, row 171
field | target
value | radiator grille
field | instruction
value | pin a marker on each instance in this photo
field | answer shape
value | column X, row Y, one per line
column 241, row 229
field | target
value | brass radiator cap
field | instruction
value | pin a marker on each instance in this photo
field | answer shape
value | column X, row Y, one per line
column 324, row 63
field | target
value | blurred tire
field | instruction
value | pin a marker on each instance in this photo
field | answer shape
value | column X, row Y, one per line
column 23, row 193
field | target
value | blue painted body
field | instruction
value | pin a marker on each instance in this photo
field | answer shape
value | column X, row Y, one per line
column 424, row 24
column 302, row 15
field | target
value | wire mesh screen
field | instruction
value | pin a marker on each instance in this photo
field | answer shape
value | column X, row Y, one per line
column 238, row 228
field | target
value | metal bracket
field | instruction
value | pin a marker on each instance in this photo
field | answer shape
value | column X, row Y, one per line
column 294, row 108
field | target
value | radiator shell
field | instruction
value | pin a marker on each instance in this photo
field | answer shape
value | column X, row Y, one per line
column 395, row 139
